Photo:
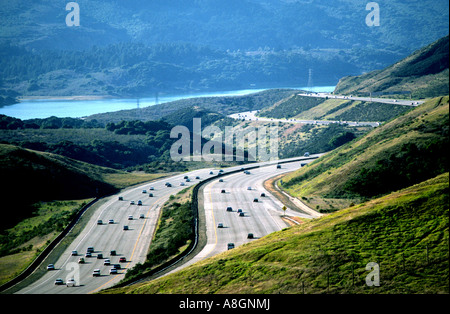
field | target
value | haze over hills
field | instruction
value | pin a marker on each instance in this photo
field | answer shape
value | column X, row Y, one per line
column 139, row 47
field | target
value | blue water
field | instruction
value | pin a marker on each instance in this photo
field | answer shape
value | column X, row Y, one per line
column 44, row 108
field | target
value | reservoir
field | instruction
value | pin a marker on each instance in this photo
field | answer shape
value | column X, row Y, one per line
column 44, row 108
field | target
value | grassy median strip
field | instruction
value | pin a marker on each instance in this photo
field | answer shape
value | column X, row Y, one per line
column 174, row 232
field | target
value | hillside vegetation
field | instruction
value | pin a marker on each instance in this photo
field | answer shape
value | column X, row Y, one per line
column 405, row 151
column 424, row 74
column 30, row 176
column 405, row 233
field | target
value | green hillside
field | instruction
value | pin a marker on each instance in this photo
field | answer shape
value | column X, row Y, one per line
column 30, row 176
column 424, row 74
column 405, row 233
column 404, row 151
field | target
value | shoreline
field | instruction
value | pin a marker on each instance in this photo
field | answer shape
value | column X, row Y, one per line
column 69, row 98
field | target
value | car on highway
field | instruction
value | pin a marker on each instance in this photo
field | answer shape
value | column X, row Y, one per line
column 117, row 266
column 90, row 249
column 99, row 256
column 220, row 225
column 59, row 281
column 120, row 198
column 263, row 194
column 113, row 271
column 150, row 195
column 220, row 180
column 211, row 172
column 130, row 217
column 125, row 227
column 278, row 166
column 70, row 282
column 239, row 210
column 230, row 246
column 249, row 188
column 141, row 216
column 111, row 221
column 74, row 253
column 223, row 191
column 50, row 267
column 255, row 200
column 122, row 260
column 229, row 209
column 250, row 236
column 107, row 262
column 88, row 254
column 99, row 222
column 241, row 214
column 132, row 203
column 151, row 188
column 96, row 273
column 197, row 178
column 139, row 203
column 81, row 260
column 144, row 191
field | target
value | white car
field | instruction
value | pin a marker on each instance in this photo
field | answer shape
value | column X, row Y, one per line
column 70, row 282
column 96, row 273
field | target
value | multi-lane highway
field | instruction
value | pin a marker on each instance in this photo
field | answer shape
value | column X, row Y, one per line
column 131, row 244
column 238, row 191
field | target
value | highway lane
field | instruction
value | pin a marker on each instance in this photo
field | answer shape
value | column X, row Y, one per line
column 132, row 244
column 260, row 218
column 400, row 102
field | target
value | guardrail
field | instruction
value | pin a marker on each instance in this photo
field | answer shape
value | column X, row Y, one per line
column 194, row 205
column 43, row 255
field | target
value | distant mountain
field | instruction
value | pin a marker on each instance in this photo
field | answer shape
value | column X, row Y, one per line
column 137, row 47
column 425, row 73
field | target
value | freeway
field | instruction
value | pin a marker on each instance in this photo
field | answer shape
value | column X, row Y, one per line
column 400, row 102
column 131, row 244
column 239, row 191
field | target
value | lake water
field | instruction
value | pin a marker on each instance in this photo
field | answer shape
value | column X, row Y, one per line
column 44, row 108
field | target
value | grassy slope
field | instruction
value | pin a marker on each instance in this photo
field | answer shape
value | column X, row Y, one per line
column 340, row 173
column 405, row 232
column 424, row 73
column 31, row 180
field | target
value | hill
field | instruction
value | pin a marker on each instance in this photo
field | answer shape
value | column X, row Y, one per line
column 400, row 153
column 130, row 48
column 30, row 176
column 405, row 232
column 424, row 74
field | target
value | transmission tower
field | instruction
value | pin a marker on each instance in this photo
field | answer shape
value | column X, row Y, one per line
column 310, row 81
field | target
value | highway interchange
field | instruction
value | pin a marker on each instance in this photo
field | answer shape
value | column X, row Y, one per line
column 237, row 190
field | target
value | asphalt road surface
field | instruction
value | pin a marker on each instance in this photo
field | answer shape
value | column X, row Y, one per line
column 259, row 218
column 131, row 244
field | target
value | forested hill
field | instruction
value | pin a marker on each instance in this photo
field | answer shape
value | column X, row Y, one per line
column 141, row 47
